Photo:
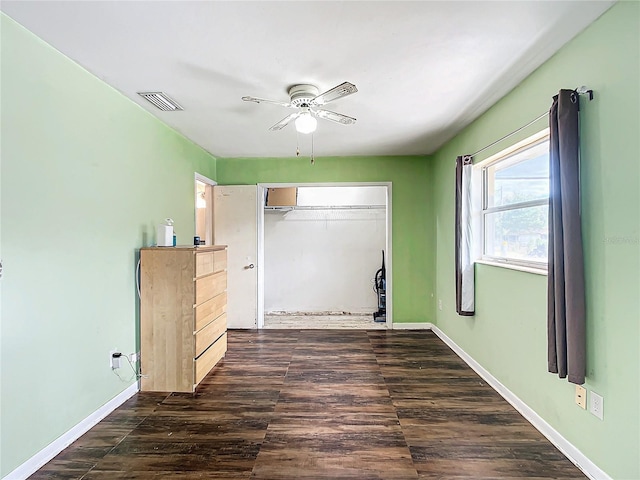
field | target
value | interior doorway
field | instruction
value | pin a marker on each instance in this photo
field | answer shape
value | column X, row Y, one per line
column 204, row 208
column 320, row 247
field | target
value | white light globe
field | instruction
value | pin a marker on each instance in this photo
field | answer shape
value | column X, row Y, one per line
column 305, row 123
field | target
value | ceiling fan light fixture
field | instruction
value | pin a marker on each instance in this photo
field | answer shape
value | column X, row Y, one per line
column 305, row 123
column 306, row 101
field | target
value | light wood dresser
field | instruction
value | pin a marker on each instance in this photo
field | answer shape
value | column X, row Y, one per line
column 183, row 324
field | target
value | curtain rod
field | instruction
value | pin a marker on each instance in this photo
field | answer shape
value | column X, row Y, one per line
column 580, row 91
column 512, row 133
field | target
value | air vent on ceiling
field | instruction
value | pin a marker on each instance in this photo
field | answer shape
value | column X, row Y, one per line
column 161, row 100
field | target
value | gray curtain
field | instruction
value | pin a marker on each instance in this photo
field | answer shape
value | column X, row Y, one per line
column 465, row 286
column 566, row 301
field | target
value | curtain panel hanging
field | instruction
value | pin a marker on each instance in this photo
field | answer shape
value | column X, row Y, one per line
column 465, row 287
column 566, row 299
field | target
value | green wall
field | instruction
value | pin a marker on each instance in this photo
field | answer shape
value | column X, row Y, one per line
column 508, row 334
column 86, row 177
column 413, row 244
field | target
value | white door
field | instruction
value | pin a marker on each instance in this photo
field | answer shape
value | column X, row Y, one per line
column 235, row 225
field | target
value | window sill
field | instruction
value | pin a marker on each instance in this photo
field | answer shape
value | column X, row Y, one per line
column 511, row 266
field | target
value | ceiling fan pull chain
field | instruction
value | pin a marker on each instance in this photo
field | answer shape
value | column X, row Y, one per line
column 313, row 160
column 297, row 144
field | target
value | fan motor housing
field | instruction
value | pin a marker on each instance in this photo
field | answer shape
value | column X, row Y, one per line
column 301, row 95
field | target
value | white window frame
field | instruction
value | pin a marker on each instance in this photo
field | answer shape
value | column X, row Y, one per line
column 481, row 180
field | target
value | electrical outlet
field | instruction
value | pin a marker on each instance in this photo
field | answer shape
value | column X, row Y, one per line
column 581, row 397
column 596, row 405
column 114, row 362
column 439, row 304
column 133, row 357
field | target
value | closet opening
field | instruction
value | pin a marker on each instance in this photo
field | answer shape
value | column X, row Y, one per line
column 321, row 247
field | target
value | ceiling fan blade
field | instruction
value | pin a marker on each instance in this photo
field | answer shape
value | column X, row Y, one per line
column 284, row 122
column 262, row 100
column 334, row 117
column 340, row 91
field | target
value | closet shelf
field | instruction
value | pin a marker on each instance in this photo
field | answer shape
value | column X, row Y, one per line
column 319, row 207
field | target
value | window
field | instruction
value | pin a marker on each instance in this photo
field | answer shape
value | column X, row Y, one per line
column 515, row 199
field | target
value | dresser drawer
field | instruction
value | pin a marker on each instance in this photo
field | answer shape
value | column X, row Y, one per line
column 219, row 260
column 209, row 262
column 209, row 358
column 204, row 263
column 209, row 310
column 210, row 286
column 210, row 333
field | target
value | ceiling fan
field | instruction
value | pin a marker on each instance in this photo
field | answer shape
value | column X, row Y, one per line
column 307, row 101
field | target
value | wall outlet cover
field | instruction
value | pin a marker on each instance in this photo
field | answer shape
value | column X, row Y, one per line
column 596, row 405
column 111, row 359
column 115, row 363
column 581, row 397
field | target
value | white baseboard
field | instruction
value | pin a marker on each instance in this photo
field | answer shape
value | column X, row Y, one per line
column 578, row 458
column 29, row 467
column 412, row 326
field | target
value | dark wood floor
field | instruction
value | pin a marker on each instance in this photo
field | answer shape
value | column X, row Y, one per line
column 320, row 405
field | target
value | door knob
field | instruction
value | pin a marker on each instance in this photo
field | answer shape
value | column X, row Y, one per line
column 250, row 266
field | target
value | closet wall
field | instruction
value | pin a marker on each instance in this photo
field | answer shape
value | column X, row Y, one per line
column 322, row 255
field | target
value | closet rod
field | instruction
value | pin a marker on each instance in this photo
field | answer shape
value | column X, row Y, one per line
column 320, row 207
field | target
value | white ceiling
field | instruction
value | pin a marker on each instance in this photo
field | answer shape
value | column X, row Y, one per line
column 424, row 70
